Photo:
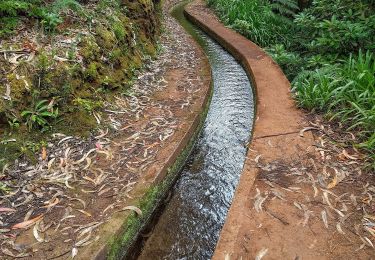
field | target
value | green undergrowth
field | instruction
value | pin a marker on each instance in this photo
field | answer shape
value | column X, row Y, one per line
column 48, row 14
column 325, row 48
column 71, row 66
column 119, row 246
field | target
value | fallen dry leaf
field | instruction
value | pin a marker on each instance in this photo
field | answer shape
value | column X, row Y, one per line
column 333, row 183
column 56, row 201
column 27, row 223
column 44, row 153
column 74, row 252
column 7, row 210
column 261, row 253
column 36, row 233
column 324, row 218
column 133, row 208
column 84, row 212
column 345, row 155
column 307, row 129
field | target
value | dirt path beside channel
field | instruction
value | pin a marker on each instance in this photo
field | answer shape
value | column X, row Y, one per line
column 73, row 201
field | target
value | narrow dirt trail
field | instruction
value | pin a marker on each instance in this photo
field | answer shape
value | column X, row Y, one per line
column 71, row 200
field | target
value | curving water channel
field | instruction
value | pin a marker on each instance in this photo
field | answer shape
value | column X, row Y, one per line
column 190, row 224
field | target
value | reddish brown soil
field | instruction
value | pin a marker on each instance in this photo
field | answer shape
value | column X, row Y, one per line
column 290, row 181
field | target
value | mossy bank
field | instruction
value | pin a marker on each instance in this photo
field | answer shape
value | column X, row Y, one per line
column 60, row 79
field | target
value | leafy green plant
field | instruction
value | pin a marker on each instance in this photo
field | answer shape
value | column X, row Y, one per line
column 50, row 20
column 13, row 8
column 356, row 98
column 59, row 6
column 119, row 30
column 346, row 91
column 290, row 62
column 4, row 188
column 316, row 90
column 31, row 146
column 49, row 13
column 284, row 7
column 14, row 123
column 318, row 47
column 255, row 19
column 40, row 114
column 87, row 104
column 7, row 25
column 337, row 26
column 9, row 12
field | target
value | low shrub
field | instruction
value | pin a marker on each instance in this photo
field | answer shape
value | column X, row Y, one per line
column 255, row 19
column 47, row 13
column 345, row 91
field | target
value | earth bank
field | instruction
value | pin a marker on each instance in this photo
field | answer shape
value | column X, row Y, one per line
column 60, row 80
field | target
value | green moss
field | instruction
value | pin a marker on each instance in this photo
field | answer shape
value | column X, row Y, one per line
column 19, row 87
column 23, row 146
column 91, row 71
column 137, row 60
column 54, row 82
column 113, row 79
column 2, row 107
column 84, row 90
column 150, row 49
column 80, row 121
column 76, row 84
column 115, row 55
column 87, row 104
column 119, row 31
column 106, row 38
column 124, row 63
column 90, row 50
column 134, row 224
column 43, row 61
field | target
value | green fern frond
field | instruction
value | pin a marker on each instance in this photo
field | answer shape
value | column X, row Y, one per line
column 61, row 5
column 284, row 7
column 12, row 8
column 291, row 4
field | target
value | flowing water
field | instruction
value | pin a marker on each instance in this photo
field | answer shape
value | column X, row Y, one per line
column 190, row 224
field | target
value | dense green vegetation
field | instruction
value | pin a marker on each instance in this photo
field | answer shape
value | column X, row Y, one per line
column 326, row 48
column 49, row 13
column 62, row 60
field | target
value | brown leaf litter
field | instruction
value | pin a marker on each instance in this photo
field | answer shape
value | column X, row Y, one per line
column 323, row 201
column 55, row 207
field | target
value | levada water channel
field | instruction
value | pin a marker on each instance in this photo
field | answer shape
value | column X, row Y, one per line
column 189, row 225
